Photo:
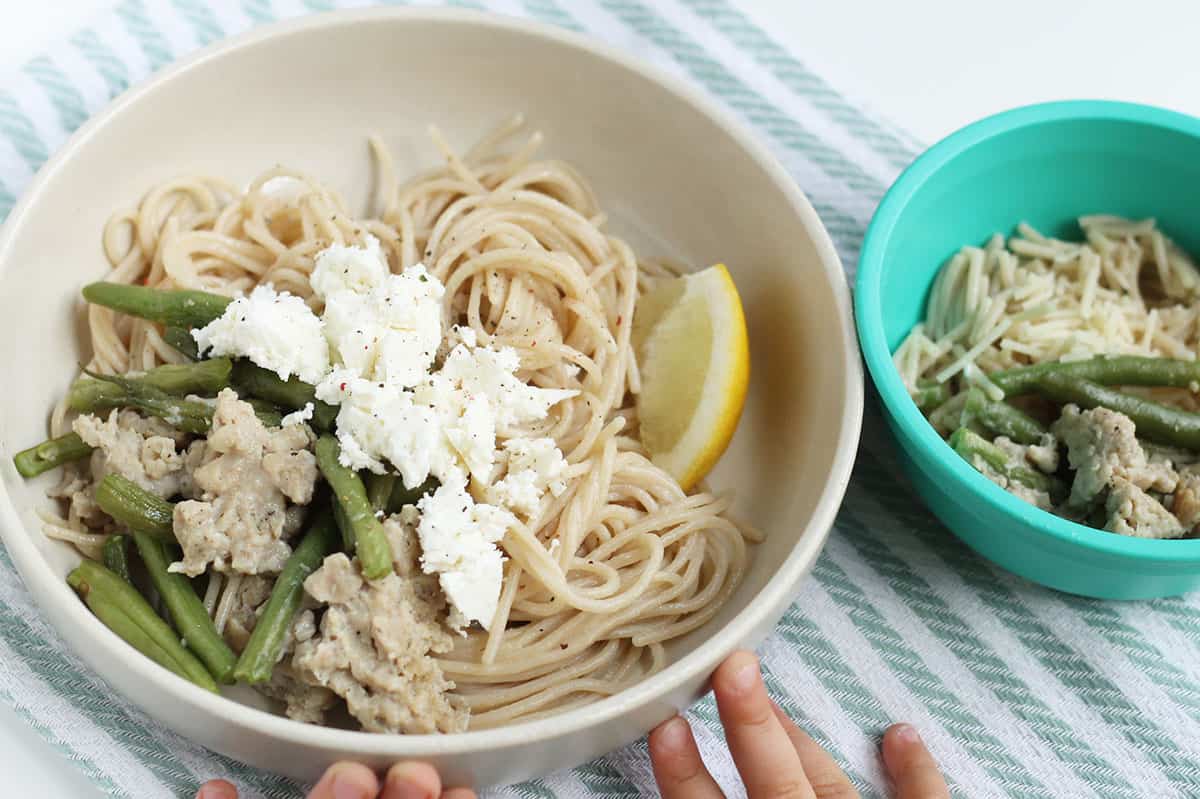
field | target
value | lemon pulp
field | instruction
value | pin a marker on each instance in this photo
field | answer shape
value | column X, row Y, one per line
column 694, row 357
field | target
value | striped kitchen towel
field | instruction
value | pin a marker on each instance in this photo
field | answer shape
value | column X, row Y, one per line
column 1019, row 691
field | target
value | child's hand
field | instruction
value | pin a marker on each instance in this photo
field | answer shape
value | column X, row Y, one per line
column 775, row 758
column 353, row 781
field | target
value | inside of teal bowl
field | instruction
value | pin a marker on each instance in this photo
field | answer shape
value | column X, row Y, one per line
column 1046, row 174
column 1045, row 165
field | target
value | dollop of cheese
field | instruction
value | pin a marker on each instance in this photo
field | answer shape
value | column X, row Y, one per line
column 396, row 411
column 380, row 326
column 458, row 543
column 535, row 465
column 275, row 330
column 344, row 267
column 448, row 421
column 379, row 423
column 492, row 373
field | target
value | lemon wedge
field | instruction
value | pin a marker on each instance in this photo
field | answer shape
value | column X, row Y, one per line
column 689, row 335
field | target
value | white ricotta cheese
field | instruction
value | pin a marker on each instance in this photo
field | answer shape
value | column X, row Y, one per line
column 298, row 417
column 383, row 327
column 275, row 330
column 535, row 465
column 340, row 267
column 378, row 424
column 467, row 335
column 410, row 307
column 446, row 422
column 492, row 374
column 391, row 333
column 384, row 332
column 458, row 543
column 471, row 434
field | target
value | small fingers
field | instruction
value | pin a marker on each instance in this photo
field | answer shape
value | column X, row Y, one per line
column 678, row 768
column 912, row 769
column 346, row 781
column 826, row 777
column 762, row 751
column 408, row 780
column 217, row 789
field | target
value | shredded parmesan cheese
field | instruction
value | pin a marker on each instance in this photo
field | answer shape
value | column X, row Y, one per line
column 1033, row 298
column 975, row 377
column 1027, row 231
column 970, row 355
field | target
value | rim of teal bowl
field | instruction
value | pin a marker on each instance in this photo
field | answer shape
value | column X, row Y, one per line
column 869, row 320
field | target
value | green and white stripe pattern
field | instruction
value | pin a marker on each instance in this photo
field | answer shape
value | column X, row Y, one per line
column 1018, row 690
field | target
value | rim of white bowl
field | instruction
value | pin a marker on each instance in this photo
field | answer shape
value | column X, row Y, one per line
column 776, row 593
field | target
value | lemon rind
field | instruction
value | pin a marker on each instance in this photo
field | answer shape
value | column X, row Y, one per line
column 723, row 396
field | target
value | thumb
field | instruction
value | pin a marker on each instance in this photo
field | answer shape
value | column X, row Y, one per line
column 912, row 769
column 217, row 789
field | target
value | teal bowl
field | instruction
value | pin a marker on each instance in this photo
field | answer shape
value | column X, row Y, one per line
column 1044, row 164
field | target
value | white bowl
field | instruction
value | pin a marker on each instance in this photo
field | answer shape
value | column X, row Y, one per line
column 678, row 177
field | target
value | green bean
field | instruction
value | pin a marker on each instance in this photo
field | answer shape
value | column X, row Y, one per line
column 370, row 543
column 108, row 391
column 945, row 418
column 187, row 611
column 136, row 508
column 115, row 554
column 1157, row 422
column 181, row 339
column 970, row 445
column 194, row 415
column 265, row 647
column 205, row 378
column 343, row 525
column 324, row 415
column 127, row 613
column 1120, row 370
column 1001, row 418
column 929, row 394
column 180, row 661
column 292, row 393
column 402, row 496
column 149, row 391
column 178, row 307
column 50, row 454
column 380, row 488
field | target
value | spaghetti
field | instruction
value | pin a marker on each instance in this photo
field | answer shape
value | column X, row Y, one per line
column 607, row 571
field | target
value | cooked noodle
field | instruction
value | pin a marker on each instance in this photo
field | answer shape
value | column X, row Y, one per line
column 618, row 564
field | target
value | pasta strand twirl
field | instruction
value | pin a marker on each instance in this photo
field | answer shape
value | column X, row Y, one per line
column 605, row 571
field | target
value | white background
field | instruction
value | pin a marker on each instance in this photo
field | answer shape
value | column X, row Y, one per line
column 930, row 66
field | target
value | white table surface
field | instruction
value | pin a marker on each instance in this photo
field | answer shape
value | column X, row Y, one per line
column 930, row 66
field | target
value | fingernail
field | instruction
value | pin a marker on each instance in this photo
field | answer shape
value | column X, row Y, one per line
column 906, row 734
column 404, row 789
column 409, row 781
column 745, row 678
column 220, row 790
column 345, row 786
column 674, row 735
